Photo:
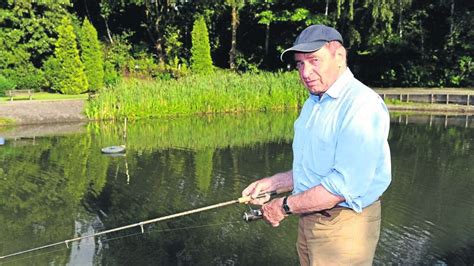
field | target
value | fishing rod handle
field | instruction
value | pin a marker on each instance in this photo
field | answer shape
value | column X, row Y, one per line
column 246, row 199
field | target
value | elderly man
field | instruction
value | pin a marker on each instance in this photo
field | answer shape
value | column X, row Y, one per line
column 341, row 158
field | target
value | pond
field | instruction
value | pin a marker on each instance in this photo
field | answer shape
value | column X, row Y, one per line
column 56, row 185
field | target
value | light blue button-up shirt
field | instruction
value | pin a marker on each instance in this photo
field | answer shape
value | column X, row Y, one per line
column 341, row 143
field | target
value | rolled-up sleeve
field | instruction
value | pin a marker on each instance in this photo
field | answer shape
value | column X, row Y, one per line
column 359, row 149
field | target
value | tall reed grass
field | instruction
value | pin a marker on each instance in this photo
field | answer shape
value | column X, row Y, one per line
column 223, row 92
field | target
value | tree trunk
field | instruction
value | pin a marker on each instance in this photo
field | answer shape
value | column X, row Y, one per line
column 400, row 19
column 109, row 33
column 327, row 8
column 451, row 21
column 233, row 47
column 267, row 38
column 87, row 9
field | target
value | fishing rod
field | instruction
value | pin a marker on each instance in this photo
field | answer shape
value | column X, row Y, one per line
column 245, row 199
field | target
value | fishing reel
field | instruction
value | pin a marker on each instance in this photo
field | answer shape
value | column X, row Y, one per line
column 252, row 215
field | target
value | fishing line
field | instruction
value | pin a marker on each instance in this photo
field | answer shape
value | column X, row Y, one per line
column 103, row 241
column 244, row 199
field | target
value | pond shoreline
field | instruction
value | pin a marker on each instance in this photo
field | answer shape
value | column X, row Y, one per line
column 66, row 111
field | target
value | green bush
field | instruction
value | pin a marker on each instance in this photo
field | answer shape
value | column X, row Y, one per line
column 144, row 66
column 91, row 55
column 26, row 77
column 52, row 71
column 72, row 79
column 118, row 53
column 201, row 61
column 5, row 84
column 111, row 76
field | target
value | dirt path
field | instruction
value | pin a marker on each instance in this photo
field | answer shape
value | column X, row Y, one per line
column 42, row 112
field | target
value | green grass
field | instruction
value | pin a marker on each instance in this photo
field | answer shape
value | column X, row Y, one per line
column 45, row 96
column 222, row 92
column 395, row 102
column 6, row 121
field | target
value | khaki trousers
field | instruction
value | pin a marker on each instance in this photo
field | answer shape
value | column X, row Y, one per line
column 345, row 238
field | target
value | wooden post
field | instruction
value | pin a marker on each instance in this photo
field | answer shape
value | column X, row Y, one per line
column 468, row 100
column 432, row 100
column 447, row 98
column 408, row 97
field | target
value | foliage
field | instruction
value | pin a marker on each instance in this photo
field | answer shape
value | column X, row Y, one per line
column 6, row 84
column 111, row 75
column 224, row 92
column 390, row 42
column 27, row 35
column 70, row 77
column 201, row 61
column 91, row 55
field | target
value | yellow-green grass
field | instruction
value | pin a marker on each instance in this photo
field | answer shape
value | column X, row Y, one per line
column 6, row 121
column 222, row 92
column 45, row 96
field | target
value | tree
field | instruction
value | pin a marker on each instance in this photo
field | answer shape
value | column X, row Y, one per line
column 71, row 78
column 201, row 61
column 91, row 55
column 27, row 36
column 235, row 6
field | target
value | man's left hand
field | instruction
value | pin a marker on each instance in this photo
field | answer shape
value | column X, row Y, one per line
column 273, row 212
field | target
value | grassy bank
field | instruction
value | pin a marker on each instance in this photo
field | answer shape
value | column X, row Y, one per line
column 218, row 93
column 45, row 96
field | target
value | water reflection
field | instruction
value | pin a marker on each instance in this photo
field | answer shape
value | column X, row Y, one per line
column 62, row 187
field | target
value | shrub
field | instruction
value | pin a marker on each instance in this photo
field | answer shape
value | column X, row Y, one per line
column 5, row 84
column 72, row 79
column 26, row 76
column 201, row 61
column 91, row 55
column 111, row 76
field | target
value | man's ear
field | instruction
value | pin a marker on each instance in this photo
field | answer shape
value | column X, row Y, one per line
column 341, row 56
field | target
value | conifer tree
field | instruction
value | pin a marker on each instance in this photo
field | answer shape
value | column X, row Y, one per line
column 91, row 56
column 71, row 78
column 201, row 61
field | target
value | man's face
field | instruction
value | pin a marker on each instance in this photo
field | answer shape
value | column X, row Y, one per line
column 318, row 70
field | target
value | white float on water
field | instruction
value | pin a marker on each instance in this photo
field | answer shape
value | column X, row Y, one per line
column 113, row 149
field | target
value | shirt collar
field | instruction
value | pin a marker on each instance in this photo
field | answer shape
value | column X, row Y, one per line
column 337, row 87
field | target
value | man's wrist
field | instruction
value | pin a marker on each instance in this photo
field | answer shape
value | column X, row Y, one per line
column 285, row 206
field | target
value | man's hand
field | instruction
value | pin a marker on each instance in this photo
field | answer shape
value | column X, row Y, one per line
column 273, row 212
column 256, row 188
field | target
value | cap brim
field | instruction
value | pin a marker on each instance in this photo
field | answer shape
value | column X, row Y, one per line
column 303, row 47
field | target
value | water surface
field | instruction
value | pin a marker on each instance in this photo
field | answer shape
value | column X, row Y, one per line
column 58, row 186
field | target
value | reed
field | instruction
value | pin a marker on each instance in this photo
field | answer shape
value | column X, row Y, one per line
column 222, row 92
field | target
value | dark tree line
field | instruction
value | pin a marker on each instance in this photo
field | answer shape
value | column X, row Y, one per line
column 390, row 42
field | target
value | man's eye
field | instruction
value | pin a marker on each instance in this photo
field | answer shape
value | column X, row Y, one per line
column 314, row 61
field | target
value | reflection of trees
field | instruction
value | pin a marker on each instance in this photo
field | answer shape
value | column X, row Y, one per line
column 432, row 170
column 199, row 133
column 41, row 190
column 203, row 168
column 169, row 181
column 185, row 163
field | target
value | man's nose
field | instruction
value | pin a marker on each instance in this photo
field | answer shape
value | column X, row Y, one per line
column 305, row 71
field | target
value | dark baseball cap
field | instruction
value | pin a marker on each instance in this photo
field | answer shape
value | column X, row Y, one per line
column 312, row 39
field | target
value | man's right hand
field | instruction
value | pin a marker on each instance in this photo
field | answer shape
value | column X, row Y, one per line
column 256, row 188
